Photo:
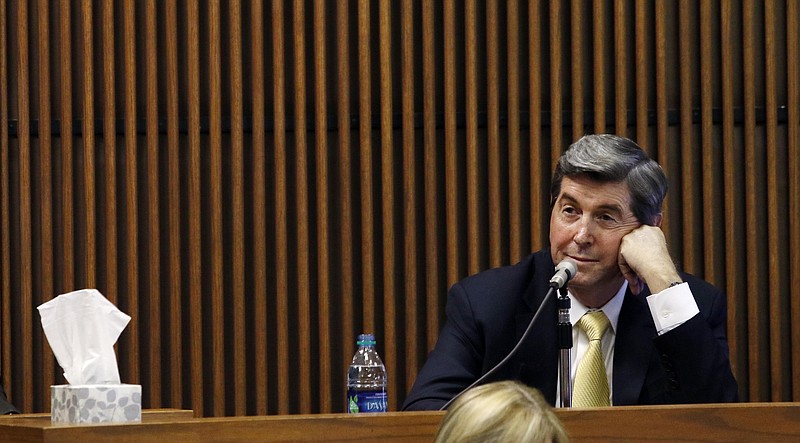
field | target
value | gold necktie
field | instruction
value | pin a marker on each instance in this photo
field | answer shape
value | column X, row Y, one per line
column 591, row 381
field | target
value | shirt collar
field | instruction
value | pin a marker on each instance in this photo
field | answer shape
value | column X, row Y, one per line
column 611, row 308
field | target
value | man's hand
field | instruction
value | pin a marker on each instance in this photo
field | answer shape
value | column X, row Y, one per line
column 644, row 259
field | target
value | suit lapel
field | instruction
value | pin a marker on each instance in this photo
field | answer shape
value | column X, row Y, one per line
column 635, row 333
column 538, row 354
column 537, row 359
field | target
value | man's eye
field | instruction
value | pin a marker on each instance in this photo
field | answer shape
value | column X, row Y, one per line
column 568, row 210
column 607, row 218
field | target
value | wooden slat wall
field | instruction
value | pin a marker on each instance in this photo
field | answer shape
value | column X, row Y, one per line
column 174, row 391
column 256, row 183
column 47, row 369
column 793, row 142
column 346, row 254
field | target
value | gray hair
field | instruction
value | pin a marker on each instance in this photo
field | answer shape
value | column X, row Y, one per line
column 611, row 158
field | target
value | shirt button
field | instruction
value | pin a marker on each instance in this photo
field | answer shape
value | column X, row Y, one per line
column 666, row 314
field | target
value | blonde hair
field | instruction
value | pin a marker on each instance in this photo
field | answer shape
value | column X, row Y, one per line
column 503, row 411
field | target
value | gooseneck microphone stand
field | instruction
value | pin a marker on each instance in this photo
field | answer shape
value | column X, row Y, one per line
column 565, row 345
column 565, row 270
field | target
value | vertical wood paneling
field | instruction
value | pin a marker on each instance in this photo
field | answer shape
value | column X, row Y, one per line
column 493, row 154
column 710, row 158
column 215, row 185
column 25, row 235
column 555, row 84
column 67, row 240
column 737, row 313
column 347, row 253
column 387, row 197
column 661, row 105
column 688, row 170
column 577, row 68
column 793, row 100
column 281, row 235
column 252, row 265
column 620, row 69
column 598, row 27
column 431, row 189
column 450, row 143
column 109, row 149
column 642, row 54
column 110, row 158
column 754, row 288
column 323, row 196
column 365, row 138
column 301, row 195
column 514, row 183
column 471, row 90
column 238, row 212
column 175, row 336
column 774, row 181
column 153, row 388
column 45, row 179
column 90, row 211
column 130, row 340
column 5, row 241
column 409, row 200
column 259, row 210
column 539, row 170
column 195, row 243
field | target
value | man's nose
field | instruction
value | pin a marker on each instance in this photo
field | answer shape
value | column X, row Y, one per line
column 584, row 236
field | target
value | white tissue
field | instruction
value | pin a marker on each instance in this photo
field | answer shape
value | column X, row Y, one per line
column 82, row 327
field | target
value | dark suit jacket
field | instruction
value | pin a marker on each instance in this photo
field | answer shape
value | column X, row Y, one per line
column 5, row 406
column 488, row 312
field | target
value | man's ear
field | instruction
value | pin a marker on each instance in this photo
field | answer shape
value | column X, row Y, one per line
column 657, row 220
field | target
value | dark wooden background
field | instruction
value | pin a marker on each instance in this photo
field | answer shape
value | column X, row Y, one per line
column 256, row 183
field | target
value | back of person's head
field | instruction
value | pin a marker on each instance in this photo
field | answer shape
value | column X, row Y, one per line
column 611, row 158
column 506, row 411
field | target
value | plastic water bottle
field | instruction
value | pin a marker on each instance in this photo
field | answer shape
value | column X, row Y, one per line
column 366, row 378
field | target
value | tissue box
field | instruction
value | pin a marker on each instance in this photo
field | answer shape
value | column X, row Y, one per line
column 73, row 404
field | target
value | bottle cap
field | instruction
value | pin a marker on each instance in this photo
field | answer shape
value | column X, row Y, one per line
column 366, row 340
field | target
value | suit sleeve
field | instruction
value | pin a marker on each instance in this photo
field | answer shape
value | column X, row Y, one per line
column 5, row 406
column 455, row 361
column 695, row 355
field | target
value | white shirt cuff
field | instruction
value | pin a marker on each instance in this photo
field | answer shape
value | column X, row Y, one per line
column 672, row 307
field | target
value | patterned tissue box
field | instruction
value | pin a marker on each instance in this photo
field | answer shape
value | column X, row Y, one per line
column 95, row 404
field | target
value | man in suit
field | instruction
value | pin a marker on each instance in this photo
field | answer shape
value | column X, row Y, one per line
column 666, row 339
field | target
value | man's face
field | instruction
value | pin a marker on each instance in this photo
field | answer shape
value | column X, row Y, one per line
column 588, row 222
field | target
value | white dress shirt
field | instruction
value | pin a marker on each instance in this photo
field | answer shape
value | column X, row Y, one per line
column 670, row 308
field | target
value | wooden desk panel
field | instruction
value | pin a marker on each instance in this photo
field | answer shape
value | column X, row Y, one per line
column 393, row 426
column 726, row 422
column 774, row 422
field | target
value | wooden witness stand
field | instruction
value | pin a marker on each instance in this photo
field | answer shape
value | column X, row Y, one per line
column 718, row 422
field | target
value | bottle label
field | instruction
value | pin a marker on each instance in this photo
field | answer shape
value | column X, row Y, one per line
column 366, row 401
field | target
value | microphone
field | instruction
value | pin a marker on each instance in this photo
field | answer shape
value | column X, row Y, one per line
column 565, row 270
